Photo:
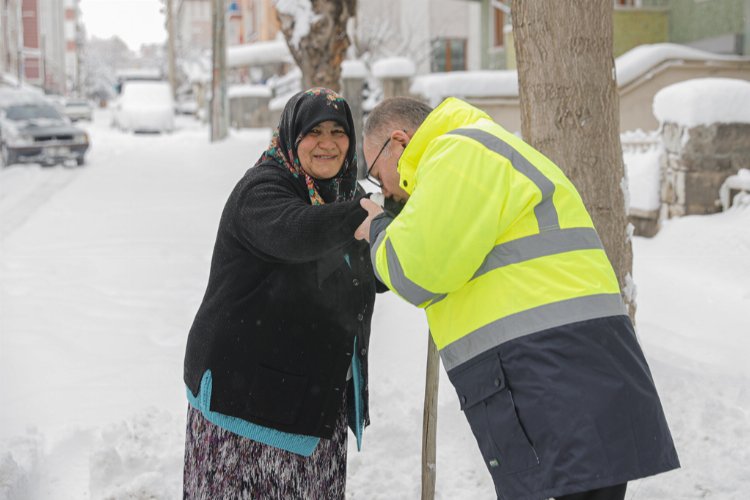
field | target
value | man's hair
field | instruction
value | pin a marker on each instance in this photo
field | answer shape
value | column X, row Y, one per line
column 394, row 113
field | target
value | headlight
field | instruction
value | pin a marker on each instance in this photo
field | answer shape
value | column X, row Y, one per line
column 20, row 140
column 82, row 138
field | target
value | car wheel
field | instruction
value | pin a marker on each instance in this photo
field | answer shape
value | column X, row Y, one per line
column 80, row 160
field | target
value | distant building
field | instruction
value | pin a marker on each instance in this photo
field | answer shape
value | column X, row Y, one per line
column 438, row 35
column 71, row 31
column 718, row 26
column 10, row 39
column 39, row 43
column 248, row 21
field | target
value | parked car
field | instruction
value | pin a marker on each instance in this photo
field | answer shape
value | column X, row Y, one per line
column 34, row 131
column 144, row 106
column 78, row 109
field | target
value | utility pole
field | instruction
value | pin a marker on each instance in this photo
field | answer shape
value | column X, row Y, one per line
column 170, row 48
column 218, row 71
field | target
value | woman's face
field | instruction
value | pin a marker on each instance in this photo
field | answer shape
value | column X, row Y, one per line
column 323, row 150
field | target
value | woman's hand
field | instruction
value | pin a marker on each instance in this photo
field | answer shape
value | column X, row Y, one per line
column 373, row 210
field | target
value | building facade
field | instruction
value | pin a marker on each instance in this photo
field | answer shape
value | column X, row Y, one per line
column 719, row 26
column 438, row 35
column 10, row 39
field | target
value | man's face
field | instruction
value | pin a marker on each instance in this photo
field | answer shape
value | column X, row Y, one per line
column 382, row 161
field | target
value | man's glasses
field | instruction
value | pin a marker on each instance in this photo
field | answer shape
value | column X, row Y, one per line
column 369, row 175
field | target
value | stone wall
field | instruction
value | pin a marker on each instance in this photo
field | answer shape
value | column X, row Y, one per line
column 250, row 112
column 696, row 163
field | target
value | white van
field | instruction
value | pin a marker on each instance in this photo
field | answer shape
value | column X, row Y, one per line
column 144, row 106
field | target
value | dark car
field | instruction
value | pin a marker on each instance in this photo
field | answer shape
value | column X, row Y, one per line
column 36, row 132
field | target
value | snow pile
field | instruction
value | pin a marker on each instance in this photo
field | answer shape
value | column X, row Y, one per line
column 138, row 458
column 641, row 154
column 394, row 67
column 636, row 61
column 738, row 182
column 463, row 84
column 18, row 466
column 704, row 101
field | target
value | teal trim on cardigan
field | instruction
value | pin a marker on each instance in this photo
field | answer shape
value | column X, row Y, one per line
column 357, row 381
column 295, row 443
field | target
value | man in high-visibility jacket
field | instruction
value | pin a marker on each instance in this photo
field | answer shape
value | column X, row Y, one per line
column 496, row 245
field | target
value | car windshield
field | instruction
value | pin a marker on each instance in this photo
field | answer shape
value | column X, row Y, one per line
column 31, row 112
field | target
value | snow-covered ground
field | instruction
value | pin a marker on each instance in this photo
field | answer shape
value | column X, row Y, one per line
column 103, row 267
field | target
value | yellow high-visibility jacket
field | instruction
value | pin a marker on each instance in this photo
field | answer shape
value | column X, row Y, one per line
column 494, row 242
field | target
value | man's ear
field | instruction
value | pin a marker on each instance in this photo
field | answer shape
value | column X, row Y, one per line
column 401, row 137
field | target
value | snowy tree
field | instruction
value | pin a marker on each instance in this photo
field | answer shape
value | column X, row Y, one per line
column 316, row 33
column 101, row 60
column 570, row 110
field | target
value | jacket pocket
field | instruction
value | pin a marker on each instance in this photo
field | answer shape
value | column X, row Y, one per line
column 488, row 405
column 276, row 396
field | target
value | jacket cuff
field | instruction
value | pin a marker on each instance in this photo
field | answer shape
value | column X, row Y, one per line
column 378, row 225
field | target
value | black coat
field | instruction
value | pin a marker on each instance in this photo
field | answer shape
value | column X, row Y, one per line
column 289, row 290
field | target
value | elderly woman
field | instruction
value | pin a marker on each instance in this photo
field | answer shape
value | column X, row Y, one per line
column 276, row 362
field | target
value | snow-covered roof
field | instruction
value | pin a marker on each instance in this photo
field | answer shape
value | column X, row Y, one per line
column 703, row 101
column 437, row 86
column 248, row 91
column 634, row 62
column 394, row 67
column 258, row 53
column 504, row 83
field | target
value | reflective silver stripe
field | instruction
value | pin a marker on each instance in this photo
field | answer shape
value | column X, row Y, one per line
column 400, row 283
column 545, row 211
column 540, row 245
column 535, row 246
column 374, row 252
column 528, row 322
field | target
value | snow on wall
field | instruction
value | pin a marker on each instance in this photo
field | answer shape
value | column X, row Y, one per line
column 704, row 101
column 504, row 83
column 255, row 54
column 631, row 64
column 394, row 67
column 438, row 86
column 248, row 91
column 353, row 69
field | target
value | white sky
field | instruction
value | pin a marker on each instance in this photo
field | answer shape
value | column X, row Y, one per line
column 135, row 21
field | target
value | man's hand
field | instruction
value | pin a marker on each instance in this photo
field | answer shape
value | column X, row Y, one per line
column 373, row 210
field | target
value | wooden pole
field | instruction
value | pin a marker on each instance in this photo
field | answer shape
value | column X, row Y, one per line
column 218, row 74
column 429, row 421
column 171, row 48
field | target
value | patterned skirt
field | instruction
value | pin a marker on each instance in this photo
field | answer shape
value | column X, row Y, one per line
column 222, row 465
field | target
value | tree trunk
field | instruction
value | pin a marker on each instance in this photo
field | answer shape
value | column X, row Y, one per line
column 319, row 52
column 570, row 110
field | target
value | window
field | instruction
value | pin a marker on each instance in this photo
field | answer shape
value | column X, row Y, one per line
column 449, row 54
column 498, row 39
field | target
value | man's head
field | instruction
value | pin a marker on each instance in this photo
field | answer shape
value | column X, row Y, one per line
column 389, row 128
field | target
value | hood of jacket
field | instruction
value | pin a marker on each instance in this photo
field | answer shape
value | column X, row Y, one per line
column 451, row 114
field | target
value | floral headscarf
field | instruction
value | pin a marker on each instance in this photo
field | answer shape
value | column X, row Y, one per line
column 301, row 114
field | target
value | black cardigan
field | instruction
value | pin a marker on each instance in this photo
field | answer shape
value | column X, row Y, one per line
column 283, row 306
